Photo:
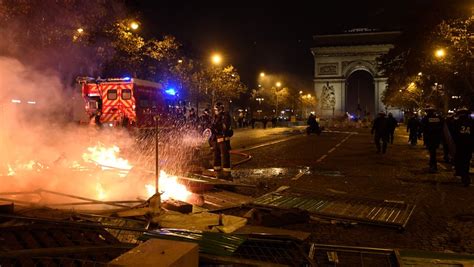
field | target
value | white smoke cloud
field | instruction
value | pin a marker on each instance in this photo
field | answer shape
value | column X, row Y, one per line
column 41, row 148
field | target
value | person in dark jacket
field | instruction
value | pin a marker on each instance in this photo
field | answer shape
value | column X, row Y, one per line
column 432, row 125
column 313, row 125
column 413, row 128
column 380, row 129
column 392, row 124
column 221, row 133
column 448, row 147
column 463, row 136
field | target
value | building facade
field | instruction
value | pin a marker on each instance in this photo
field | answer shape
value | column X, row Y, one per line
column 340, row 60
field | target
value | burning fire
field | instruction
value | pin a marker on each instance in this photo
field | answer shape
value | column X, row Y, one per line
column 169, row 187
column 107, row 158
column 115, row 181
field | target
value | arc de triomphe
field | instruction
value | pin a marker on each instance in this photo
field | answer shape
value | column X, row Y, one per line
column 337, row 57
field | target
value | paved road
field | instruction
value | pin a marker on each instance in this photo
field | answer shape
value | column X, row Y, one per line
column 346, row 164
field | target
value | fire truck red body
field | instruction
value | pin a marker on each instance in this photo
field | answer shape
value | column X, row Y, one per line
column 116, row 100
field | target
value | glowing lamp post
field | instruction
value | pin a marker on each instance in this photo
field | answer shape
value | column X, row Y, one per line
column 440, row 53
column 134, row 25
column 278, row 85
column 216, row 59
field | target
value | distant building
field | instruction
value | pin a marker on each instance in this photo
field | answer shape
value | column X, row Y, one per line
column 346, row 75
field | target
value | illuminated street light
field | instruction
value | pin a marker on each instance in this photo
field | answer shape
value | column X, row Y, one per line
column 80, row 30
column 420, row 73
column 440, row 53
column 180, row 61
column 262, row 74
column 278, row 84
column 301, row 92
column 134, row 25
column 216, row 59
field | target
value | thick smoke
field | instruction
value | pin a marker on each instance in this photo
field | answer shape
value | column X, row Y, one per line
column 42, row 148
column 39, row 149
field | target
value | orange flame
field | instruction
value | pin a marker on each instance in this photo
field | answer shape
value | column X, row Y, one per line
column 169, row 188
column 107, row 158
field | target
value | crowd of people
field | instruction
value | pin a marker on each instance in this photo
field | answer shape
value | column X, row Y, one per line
column 453, row 132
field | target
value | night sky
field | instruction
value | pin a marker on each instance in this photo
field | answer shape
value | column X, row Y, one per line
column 274, row 39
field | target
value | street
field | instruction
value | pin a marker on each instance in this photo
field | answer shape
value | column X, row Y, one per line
column 346, row 164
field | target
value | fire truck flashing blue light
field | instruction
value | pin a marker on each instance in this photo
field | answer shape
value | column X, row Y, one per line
column 127, row 78
column 170, row 91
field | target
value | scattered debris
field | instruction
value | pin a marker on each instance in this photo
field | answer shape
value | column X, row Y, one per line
column 383, row 213
column 177, row 205
column 203, row 221
column 164, row 252
column 209, row 243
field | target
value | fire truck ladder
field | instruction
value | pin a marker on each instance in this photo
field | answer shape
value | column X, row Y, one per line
column 379, row 212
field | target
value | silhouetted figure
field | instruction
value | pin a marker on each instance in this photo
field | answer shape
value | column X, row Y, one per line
column 380, row 129
column 463, row 137
column 392, row 124
column 413, row 127
column 221, row 134
column 432, row 125
column 313, row 125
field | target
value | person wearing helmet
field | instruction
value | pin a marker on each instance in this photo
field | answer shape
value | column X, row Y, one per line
column 221, row 133
column 432, row 125
column 413, row 128
column 463, row 137
column 381, row 129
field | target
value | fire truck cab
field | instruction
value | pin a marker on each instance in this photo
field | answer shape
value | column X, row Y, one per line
column 124, row 101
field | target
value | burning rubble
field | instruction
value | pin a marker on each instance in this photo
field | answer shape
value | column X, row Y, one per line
column 40, row 150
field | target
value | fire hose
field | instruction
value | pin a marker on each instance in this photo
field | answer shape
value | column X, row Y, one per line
column 247, row 157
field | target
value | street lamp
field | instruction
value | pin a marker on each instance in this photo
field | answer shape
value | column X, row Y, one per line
column 278, row 85
column 440, row 53
column 216, row 59
column 134, row 25
column 80, row 30
column 262, row 74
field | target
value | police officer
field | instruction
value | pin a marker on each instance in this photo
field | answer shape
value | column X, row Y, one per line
column 447, row 137
column 463, row 136
column 221, row 133
column 413, row 127
column 432, row 125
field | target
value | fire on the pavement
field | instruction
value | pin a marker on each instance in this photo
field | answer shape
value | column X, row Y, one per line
column 104, row 175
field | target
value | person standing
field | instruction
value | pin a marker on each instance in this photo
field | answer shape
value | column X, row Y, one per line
column 221, row 134
column 432, row 125
column 392, row 124
column 447, row 141
column 380, row 129
column 413, row 128
column 463, row 136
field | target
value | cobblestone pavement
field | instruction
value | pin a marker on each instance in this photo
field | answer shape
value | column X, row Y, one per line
column 346, row 164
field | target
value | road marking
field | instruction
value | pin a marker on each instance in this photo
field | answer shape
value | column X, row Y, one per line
column 321, row 158
column 336, row 146
column 298, row 176
column 269, row 143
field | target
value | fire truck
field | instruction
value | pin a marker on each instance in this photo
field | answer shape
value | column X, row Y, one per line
column 116, row 101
